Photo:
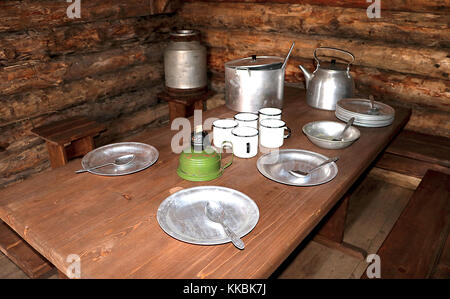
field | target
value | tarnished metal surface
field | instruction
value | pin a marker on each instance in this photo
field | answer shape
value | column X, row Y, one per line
column 359, row 109
column 185, row 65
column 145, row 156
column 182, row 215
column 322, row 132
column 249, row 88
column 276, row 166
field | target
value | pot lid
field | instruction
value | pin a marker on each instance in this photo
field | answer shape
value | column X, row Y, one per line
column 256, row 62
column 199, row 166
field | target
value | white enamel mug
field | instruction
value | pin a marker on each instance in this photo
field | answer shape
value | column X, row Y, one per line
column 222, row 131
column 245, row 142
column 247, row 119
column 265, row 113
column 272, row 132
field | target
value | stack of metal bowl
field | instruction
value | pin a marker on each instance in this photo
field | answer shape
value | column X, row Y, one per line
column 366, row 114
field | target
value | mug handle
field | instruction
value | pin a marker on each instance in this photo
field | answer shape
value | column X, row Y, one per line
column 224, row 145
column 289, row 132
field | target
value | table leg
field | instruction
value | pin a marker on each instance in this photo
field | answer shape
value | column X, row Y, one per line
column 57, row 155
column 331, row 234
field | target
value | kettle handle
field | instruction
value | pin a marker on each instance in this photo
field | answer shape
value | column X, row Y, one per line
column 334, row 49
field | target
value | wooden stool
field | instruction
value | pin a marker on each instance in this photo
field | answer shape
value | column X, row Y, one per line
column 183, row 105
column 68, row 138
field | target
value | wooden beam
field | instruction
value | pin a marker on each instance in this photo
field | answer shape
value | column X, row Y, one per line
column 434, row 63
column 397, row 27
column 37, row 102
column 82, row 38
column 28, row 75
column 439, row 6
column 21, row 15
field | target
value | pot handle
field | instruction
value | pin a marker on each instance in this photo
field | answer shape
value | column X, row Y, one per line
column 224, row 145
column 334, row 49
column 243, row 69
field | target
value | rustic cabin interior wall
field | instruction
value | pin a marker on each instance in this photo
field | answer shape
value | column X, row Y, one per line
column 402, row 58
column 106, row 65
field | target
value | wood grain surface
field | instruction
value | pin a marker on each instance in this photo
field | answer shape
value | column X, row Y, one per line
column 110, row 222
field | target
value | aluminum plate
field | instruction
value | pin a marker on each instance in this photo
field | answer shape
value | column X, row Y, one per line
column 145, row 156
column 182, row 215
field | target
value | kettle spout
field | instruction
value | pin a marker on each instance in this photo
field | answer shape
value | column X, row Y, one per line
column 307, row 74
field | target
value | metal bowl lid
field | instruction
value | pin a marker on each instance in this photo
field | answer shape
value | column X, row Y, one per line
column 184, row 32
column 256, row 62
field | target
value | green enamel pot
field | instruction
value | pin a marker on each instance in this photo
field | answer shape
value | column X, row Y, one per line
column 202, row 166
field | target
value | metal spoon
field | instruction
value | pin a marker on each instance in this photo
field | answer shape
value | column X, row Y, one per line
column 373, row 110
column 214, row 211
column 348, row 125
column 301, row 173
column 122, row 160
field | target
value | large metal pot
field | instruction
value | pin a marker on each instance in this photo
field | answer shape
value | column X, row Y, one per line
column 185, row 62
column 253, row 83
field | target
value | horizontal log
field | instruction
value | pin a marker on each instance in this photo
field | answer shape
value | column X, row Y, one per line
column 434, row 63
column 423, row 120
column 19, row 162
column 397, row 27
column 439, row 6
column 80, row 38
column 17, row 136
column 19, row 177
column 134, row 122
column 21, row 15
column 409, row 89
column 37, row 102
column 35, row 74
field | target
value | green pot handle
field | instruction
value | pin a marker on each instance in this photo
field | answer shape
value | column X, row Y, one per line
column 224, row 145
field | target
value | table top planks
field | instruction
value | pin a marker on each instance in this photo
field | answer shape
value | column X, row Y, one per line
column 110, row 222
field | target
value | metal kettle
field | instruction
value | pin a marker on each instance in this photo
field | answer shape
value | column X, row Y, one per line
column 329, row 82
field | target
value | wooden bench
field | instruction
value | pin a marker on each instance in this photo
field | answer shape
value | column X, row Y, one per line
column 410, row 156
column 68, row 138
column 22, row 254
column 418, row 245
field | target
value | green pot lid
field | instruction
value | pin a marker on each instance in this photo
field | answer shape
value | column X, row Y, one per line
column 200, row 166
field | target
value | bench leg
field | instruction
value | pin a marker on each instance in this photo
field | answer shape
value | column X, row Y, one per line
column 80, row 147
column 331, row 234
column 57, row 155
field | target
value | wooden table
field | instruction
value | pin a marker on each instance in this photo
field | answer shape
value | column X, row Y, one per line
column 110, row 222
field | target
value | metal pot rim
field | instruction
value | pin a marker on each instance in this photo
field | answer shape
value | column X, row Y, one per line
column 256, row 67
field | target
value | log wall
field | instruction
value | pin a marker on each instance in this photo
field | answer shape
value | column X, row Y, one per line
column 106, row 65
column 402, row 58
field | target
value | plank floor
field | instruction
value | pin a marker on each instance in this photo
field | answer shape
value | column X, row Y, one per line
column 373, row 210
